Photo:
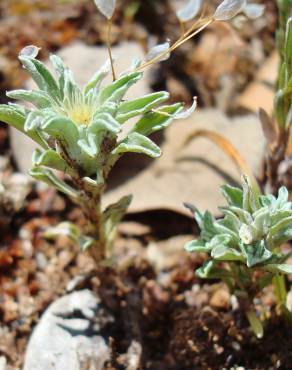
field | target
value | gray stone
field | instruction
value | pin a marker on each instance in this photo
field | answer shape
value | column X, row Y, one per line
column 84, row 61
column 61, row 341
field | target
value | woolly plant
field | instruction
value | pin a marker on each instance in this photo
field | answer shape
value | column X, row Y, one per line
column 244, row 247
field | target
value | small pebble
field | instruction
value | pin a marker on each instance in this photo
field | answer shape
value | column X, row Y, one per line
column 236, row 346
column 219, row 350
column 220, row 299
column 41, row 260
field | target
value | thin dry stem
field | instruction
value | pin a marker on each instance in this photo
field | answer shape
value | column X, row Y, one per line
column 109, row 46
column 225, row 145
column 187, row 36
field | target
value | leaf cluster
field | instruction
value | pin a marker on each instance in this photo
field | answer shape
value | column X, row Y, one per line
column 80, row 132
column 248, row 237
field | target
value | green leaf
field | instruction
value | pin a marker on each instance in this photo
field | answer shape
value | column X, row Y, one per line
column 50, row 158
column 30, row 51
column 283, row 236
column 204, row 271
column 282, row 200
column 222, row 229
column 42, row 76
column 104, row 122
column 115, row 212
column 12, row 116
column 250, row 202
column 60, row 68
column 276, row 230
column 99, row 138
column 112, row 217
column 133, row 108
column 15, row 117
column 210, row 271
column 284, row 268
column 96, row 80
column 183, row 114
column 282, row 77
column 88, row 145
column 267, row 200
column 137, row 143
column 224, row 253
column 33, row 121
column 116, row 91
column 221, row 239
column 197, row 246
column 288, row 47
column 231, row 221
column 208, row 229
column 155, row 121
column 39, row 98
column 277, row 216
column 255, row 324
column 233, row 196
column 49, row 178
column 243, row 215
column 93, row 186
column 257, row 254
column 199, row 216
column 72, row 232
column 65, row 131
column 72, row 92
column 261, row 220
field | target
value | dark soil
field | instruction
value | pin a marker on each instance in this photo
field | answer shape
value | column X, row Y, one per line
column 175, row 336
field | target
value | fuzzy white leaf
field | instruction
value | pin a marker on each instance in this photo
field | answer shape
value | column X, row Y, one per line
column 29, row 51
column 188, row 112
column 254, row 11
column 190, row 10
column 106, row 7
column 229, row 9
column 157, row 50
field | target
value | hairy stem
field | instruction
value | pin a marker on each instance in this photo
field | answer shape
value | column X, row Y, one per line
column 90, row 203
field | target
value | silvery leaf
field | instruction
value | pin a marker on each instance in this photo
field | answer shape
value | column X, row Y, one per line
column 189, row 11
column 97, row 78
column 106, row 7
column 72, row 232
column 254, row 11
column 186, row 113
column 229, row 9
column 158, row 50
column 198, row 246
column 137, row 143
column 29, row 51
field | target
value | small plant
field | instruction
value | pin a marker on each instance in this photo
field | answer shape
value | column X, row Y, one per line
column 80, row 130
column 244, row 247
column 80, row 133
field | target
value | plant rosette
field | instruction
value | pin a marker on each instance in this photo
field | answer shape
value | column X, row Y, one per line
column 244, row 247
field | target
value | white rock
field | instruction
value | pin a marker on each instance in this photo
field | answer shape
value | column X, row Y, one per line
column 84, row 61
column 60, row 343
